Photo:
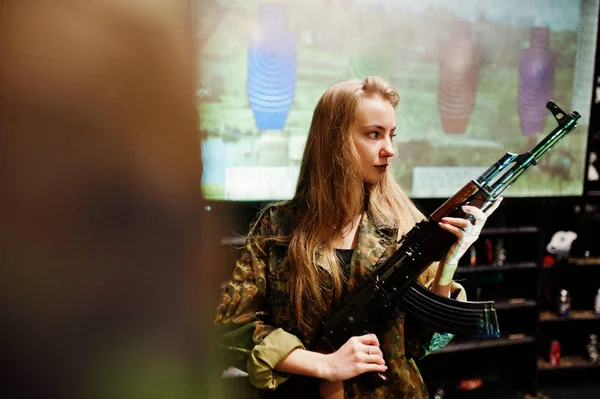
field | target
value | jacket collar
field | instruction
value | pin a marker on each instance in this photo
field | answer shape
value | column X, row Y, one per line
column 374, row 237
column 373, row 240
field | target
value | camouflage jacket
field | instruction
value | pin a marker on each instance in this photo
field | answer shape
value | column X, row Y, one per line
column 256, row 303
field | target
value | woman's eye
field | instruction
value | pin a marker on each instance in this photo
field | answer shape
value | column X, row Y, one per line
column 373, row 135
column 392, row 136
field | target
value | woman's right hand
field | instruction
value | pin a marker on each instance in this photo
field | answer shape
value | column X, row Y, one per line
column 357, row 356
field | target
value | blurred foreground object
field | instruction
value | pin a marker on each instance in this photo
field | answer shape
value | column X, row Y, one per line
column 101, row 239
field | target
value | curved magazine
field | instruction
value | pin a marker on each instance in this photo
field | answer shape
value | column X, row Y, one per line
column 477, row 319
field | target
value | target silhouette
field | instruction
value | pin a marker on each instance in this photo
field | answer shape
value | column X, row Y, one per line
column 536, row 81
column 271, row 69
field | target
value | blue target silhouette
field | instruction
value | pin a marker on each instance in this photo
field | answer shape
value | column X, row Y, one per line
column 271, row 69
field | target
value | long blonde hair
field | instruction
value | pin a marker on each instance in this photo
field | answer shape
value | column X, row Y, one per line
column 331, row 191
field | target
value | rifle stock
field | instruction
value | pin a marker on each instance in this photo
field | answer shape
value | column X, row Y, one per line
column 392, row 286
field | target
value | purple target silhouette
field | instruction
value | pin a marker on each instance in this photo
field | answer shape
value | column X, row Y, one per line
column 271, row 69
column 536, row 81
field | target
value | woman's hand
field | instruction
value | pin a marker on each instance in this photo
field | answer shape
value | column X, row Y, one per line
column 357, row 356
column 467, row 233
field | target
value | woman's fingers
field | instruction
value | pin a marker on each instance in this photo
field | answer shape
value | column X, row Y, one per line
column 370, row 348
column 376, row 359
column 367, row 367
column 457, row 222
column 461, row 228
column 478, row 214
column 496, row 204
column 457, row 231
column 369, row 345
column 368, row 339
column 358, row 355
column 373, row 352
column 467, row 233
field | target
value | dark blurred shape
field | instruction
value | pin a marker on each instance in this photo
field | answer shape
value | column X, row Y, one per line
column 102, row 265
column 587, row 216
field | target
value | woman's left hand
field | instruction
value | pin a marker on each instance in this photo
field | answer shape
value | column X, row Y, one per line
column 466, row 232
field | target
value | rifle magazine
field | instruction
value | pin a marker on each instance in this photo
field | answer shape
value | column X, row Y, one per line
column 476, row 319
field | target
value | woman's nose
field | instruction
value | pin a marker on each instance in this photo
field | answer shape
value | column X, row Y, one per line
column 388, row 150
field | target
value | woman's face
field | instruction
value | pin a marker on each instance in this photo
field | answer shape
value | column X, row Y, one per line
column 372, row 134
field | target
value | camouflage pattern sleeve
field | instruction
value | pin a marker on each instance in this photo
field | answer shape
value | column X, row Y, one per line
column 240, row 312
column 242, row 316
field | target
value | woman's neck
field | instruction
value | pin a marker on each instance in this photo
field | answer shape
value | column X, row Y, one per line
column 348, row 236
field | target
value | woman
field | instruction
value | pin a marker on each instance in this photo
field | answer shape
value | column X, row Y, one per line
column 302, row 255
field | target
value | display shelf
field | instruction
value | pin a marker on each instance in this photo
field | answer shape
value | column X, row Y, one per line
column 574, row 263
column 574, row 315
column 471, row 345
column 567, row 363
column 510, row 230
column 588, row 261
column 496, row 269
column 515, row 303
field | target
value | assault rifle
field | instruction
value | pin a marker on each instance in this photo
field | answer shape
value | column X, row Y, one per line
column 392, row 285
